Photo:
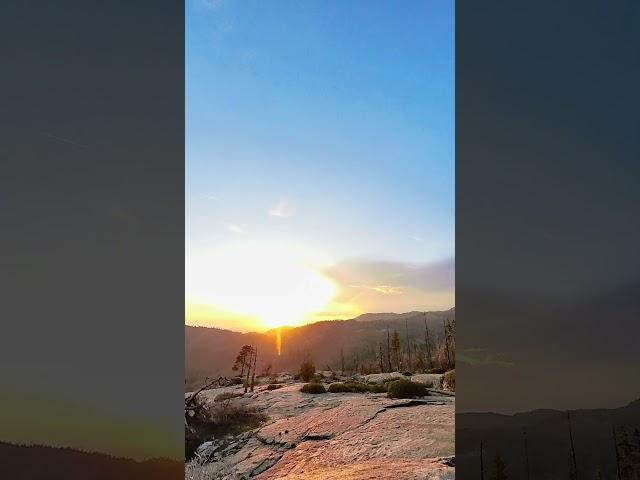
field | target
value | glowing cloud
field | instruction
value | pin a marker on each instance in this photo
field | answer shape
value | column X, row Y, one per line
column 276, row 285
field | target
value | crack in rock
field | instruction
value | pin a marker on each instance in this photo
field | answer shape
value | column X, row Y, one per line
column 318, row 436
column 265, row 465
column 413, row 403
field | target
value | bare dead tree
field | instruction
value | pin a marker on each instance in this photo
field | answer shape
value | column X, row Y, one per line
column 446, row 343
column 255, row 361
column 388, row 350
column 246, row 380
column 481, row 462
column 380, row 357
column 427, row 342
column 573, row 451
column 615, row 445
column 526, row 452
column 193, row 408
column 406, row 327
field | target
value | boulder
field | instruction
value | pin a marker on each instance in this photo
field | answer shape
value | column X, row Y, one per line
column 284, row 378
column 431, row 380
column 378, row 378
column 207, row 449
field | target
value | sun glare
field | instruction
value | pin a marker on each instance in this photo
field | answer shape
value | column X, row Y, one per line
column 278, row 286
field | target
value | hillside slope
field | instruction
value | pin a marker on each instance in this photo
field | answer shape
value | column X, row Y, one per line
column 547, row 434
column 211, row 351
column 40, row 462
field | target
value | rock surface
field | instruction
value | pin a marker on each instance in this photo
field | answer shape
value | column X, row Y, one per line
column 378, row 378
column 344, row 436
column 431, row 380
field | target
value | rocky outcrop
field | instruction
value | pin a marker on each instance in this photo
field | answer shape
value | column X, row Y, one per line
column 345, row 436
column 431, row 380
column 378, row 378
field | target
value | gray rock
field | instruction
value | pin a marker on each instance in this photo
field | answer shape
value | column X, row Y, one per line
column 431, row 380
column 448, row 461
column 378, row 378
column 265, row 465
column 207, row 449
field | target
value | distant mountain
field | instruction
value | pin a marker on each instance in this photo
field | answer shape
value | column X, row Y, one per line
column 372, row 317
column 547, row 433
column 211, row 351
column 39, row 463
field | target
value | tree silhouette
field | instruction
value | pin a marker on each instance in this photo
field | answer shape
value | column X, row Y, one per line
column 427, row 343
column 307, row 370
column 242, row 360
column 499, row 469
column 389, row 350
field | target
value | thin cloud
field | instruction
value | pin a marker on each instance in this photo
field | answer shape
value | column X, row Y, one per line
column 281, row 209
column 209, row 4
column 437, row 276
column 234, row 228
column 385, row 289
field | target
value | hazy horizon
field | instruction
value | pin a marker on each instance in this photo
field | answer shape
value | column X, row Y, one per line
column 318, row 321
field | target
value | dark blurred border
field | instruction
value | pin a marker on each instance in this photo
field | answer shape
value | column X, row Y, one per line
column 547, row 234
column 92, row 221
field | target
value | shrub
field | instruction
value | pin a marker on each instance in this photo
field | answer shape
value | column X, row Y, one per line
column 449, row 380
column 307, row 370
column 352, row 387
column 356, row 387
column 314, row 388
column 226, row 396
column 338, row 387
column 228, row 417
column 378, row 388
column 274, row 386
column 406, row 389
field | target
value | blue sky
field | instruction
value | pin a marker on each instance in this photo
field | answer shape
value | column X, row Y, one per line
column 325, row 126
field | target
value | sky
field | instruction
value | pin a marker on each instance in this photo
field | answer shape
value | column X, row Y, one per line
column 319, row 160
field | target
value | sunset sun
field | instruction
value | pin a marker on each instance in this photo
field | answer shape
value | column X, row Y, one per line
column 275, row 286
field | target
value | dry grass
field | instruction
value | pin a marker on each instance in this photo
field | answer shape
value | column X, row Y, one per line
column 196, row 471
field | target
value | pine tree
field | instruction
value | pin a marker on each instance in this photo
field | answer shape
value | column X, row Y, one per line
column 499, row 469
column 242, row 360
column 599, row 474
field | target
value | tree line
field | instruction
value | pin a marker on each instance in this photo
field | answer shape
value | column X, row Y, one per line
column 400, row 351
column 625, row 449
